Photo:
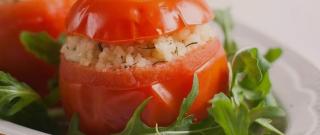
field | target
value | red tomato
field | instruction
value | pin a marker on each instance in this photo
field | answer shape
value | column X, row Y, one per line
column 129, row 20
column 105, row 100
column 34, row 16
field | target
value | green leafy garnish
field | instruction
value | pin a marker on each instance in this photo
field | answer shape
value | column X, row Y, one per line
column 46, row 48
column 21, row 105
column 135, row 125
column 250, row 76
column 251, row 82
column 267, row 124
column 224, row 20
column 266, row 112
column 14, row 96
column 74, row 126
column 43, row 46
column 236, row 119
column 273, row 54
column 233, row 118
column 53, row 97
column 252, row 85
column 183, row 122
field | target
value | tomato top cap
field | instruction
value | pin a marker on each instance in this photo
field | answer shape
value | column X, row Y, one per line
column 114, row 21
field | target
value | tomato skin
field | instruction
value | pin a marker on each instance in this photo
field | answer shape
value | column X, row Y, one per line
column 33, row 16
column 105, row 100
column 117, row 21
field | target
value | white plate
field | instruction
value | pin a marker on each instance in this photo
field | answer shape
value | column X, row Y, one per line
column 296, row 83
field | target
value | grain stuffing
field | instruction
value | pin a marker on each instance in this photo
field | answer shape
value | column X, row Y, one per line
column 166, row 48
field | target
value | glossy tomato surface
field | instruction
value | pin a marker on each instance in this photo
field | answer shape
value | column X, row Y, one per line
column 105, row 100
column 34, row 16
column 130, row 20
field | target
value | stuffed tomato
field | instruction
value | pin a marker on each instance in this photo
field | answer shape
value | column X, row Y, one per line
column 33, row 16
column 119, row 53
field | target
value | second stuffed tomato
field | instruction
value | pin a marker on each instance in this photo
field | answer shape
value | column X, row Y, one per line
column 17, row 16
column 118, row 53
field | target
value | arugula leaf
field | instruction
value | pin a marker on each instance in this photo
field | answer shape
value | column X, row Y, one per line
column 21, row 105
column 53, row 97
column 62, row 38
column 251, row 84
column 250, row 75
column 199, row 131
column 224, row 20
column 135, row 125
column 43, row 46
column 266, row 112
column 74, row 126
column 267, row 124
column 234, row 119
column 14, row 96
column 182, row 121
column 35, row 116
column 273, row 54
column 208, row 127
column 269, row 101
column 251, row 99
column 182, row 124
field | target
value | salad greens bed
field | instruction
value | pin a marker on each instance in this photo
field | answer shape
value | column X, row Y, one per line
column 248, row 108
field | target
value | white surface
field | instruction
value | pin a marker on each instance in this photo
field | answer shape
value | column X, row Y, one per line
column 294, row 23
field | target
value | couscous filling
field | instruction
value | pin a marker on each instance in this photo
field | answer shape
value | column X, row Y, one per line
column 165, row 48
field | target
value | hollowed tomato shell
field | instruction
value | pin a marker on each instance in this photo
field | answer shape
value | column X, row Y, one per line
column 105, row 100
column 114, row 21
column 33, row 16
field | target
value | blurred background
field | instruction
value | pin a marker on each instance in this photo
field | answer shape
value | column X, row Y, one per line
column 294, row 23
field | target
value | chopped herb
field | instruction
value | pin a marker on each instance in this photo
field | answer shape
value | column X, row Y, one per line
column 176, row 51
column 158, row 62
column 123, row 59
column 135, row 63
column 193, row 43
column 100, row 46
column 148, row 48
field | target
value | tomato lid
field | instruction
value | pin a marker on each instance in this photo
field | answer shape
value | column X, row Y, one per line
column 114, row 21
